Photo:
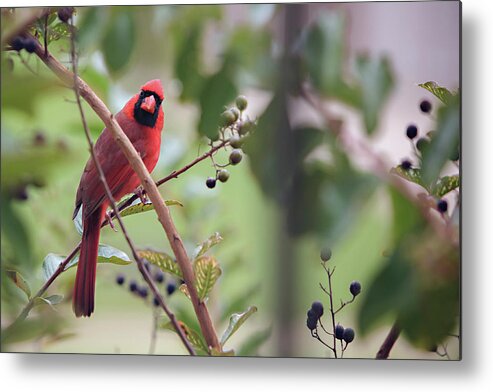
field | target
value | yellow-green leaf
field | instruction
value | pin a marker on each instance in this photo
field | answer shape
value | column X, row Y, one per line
column 207, row 244
column 207, row 272
column 235, row 322
column 162, row 260
column 143, row 207
column 438, row 91
column 192, row 336
column 446, row 184
column 19, row 281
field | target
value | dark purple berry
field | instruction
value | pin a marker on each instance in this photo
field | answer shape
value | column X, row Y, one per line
column 348, row 335
column 170, row 288
column 442, row 206
column 318, row 309
column 406, row 165
column 143, row 292
column 311, row 323
column 211, row 182
column 155, row 301
column 425, row 106
column 339, row 331
column 133, row 286
column 65, row 13
column 30, row 45
column 147, row 266
column 311, row 314
column 159, row 276
column 412, row 131
column 17, row 43
column 355, row 288
column 120, row 279
column 325, row 254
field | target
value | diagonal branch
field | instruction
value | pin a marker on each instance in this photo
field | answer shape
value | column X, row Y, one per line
column 107, row 189
column 150, row 187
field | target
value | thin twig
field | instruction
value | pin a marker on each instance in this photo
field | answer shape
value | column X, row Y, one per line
column 333, row 316
column 138, row 259
column 393, row 335
column 155, row 320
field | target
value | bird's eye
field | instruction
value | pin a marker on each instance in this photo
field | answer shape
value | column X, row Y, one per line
column 142, row 94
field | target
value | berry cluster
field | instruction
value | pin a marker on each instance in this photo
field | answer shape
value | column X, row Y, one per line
column 28, row 43
column 141, row 290
column 65, row 13
column 316, row 311
column 233, row 130
column 420, row 144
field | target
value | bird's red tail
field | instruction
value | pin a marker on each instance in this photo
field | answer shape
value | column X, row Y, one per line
column 85, row 279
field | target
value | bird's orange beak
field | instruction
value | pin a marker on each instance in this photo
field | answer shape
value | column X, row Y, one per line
column 149, row 104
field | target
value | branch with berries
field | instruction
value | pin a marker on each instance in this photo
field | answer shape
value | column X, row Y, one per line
column 314, row 315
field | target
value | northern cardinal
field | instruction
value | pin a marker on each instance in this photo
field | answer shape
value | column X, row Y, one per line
column 142, row 121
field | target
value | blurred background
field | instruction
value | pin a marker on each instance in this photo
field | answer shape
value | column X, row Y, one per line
column 297, row 190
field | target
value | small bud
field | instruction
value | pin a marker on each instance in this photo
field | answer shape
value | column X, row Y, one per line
column 223, row 175
column 311, row 323
column 355, row 288
column 425, row 106
column 170, row 288
column 442, row 206
column 348, row 335
column 412, row 131
column 235, row 157
column 65, row 13
column 210, row 182
column 325, row 254
column 318, row 308
column 39, row 139
column 241, row 102
column 120, row 279
column 339, row 331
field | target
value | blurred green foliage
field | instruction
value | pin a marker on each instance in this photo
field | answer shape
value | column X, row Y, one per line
column 300, row 172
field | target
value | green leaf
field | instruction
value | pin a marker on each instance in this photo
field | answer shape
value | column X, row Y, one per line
column 391, row 290
column 51, row 301
column 93, row 22
column 106, row 254
column 207, row 272
column 207, row 244
column 235, row 322
column 438, row 91
column 192, row 336
column 445, row 185
column 143, row 207
column 218, row 91
column 119, row 40
column 413, row 174
column 14, row 229
column 241, row 301
column 252, row 344
column 444, row 142
column 162, row 260
column 324, row 52
column 375, row 79
column 19, row 281
column 406, row 219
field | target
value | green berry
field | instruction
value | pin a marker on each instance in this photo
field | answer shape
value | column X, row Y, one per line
column 236, row 141
column 223, row 175
column 235, row 112
column 227, row 118
column 246, row 127
column 241, row 102
column 325, row 254
column 235, row 157
column 422, row 144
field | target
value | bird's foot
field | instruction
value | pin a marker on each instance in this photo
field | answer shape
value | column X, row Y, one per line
column 140, row 192
column 110, row 221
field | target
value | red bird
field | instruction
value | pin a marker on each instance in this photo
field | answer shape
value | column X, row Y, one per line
column 142, row 121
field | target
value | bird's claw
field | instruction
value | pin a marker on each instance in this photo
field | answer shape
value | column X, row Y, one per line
column 110, row 221
column 141, row 194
